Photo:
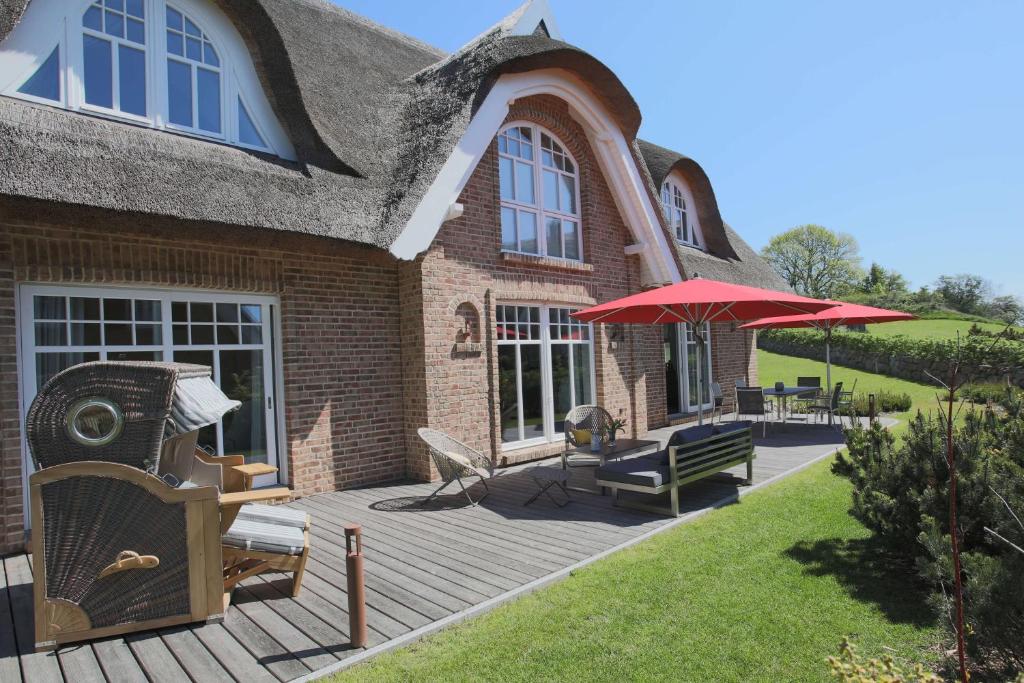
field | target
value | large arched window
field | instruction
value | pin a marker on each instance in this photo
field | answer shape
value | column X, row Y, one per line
column 177, row 65
column 677, row 206
column 540, row 205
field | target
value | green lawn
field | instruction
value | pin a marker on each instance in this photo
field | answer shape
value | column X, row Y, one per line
column 930, row 329
column 774, row 367
column 761, row 590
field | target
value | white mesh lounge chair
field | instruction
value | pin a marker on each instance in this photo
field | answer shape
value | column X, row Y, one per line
column 455, row 460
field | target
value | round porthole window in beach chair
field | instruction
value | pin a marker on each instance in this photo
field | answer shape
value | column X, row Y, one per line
column 94, row 421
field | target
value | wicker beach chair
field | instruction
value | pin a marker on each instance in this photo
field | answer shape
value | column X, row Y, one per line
column 116, row 547
column 581, row 423
column 454, row 461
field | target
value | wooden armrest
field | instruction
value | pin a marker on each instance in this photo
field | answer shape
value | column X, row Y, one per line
column 256, row 495
column 255, row 469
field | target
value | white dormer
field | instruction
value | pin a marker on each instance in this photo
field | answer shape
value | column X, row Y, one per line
column 177, row 65
column 533, row 15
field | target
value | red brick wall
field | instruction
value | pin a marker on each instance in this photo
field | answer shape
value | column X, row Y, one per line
column 343, row 394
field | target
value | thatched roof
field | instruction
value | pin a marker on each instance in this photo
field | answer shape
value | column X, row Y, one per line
column 372, row 115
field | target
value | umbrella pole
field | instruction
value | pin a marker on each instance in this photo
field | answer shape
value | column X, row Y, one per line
column 700, row 374
column 828, row 367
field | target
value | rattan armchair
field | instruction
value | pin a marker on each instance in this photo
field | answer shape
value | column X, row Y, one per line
column 455, row 460
column 581, row 424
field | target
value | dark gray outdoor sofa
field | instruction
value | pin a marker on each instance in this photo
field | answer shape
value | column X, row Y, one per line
column 692, row 453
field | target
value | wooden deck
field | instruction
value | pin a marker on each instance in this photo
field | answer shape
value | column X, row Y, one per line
column 425, row 568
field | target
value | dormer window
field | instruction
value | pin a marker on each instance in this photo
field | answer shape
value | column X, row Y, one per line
column 677, row 206
column 539, row 186
column 177, row 65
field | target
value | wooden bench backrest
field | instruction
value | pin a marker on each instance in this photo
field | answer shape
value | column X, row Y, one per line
column 697, row 459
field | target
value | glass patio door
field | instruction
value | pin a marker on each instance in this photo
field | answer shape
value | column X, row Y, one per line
column 680, row 357
column 61, row 326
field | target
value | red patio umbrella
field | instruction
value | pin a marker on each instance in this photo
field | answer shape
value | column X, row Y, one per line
column 700, row 301
column 829, row 319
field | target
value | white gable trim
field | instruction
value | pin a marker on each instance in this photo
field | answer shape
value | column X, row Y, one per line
column 613, row 154
column 534, row 13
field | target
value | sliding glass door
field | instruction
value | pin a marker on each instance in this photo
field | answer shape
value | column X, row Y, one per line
column 680, row 356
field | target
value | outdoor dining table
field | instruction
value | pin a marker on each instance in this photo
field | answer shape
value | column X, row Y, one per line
column 618, row 449
column 784, row 394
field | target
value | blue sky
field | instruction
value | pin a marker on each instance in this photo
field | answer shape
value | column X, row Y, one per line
column 901, row 123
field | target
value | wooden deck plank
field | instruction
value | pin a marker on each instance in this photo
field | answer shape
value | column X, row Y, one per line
column 35, row 666
column 118, row 663
column 231, row 655
column 386, row 624
column 10, row 668
column 193, row 656
column 78, row 664
column 292, row 640
column 266, row 651
column 154, row 657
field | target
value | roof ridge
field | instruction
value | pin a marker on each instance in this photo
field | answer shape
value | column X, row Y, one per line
column 374, row 26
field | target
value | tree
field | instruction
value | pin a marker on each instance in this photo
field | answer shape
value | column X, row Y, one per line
column 963, row 292
column 1008, row 309
column 881, row 281
column 815, row 261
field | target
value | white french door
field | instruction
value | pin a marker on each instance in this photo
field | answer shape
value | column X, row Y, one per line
column 681, row 369
column 61, row 326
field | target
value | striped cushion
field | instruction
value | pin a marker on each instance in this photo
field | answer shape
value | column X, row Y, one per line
column 273, row 514
column 271, row 538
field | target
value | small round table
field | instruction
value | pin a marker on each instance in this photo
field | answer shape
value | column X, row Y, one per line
column 546, row 477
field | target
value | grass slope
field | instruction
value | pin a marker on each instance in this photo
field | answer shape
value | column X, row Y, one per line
column 930, row 329
column 774, row 367
column 760, row 590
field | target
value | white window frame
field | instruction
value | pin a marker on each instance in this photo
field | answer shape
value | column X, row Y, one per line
column 57, row 23
column 194, row 68
column 686, row 392
column 547, row 385
column 674, row 188
column 270, row 345
column 537, row 207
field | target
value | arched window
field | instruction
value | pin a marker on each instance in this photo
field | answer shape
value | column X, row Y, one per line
column 676, row 204
column 539, row 183
column 178, row 65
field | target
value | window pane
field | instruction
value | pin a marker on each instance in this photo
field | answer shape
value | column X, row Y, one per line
column 193, row 49
column 533, row 403
column 49, row 364
column 550, row 191
column 134, row 8
column 146, row 309
column 572, row 239
column 93, row 18
column 51, row 334
column 132, row 67
column 505, row 178
column 508, row 393
column 561, row 383
column 115, row 4
column 114, row 24
column 227, row 334
column 252, row 334
column 117, row 334
column 174, row 19
column 227, row 313
column 201, row 312
column 528, row 232
column 209, row 100
column 581, row 367
column 202, row 334
column 175, row 44
column 117, row 309
column 179, row 311
column 241, row 378
column 210, row 55
column 247, row 133
column 508, row 229
column 567, row 200
column 45, row 82
column 251, row 313
column 85, row 308
column 148, row 335
column 136, row 31
column 191, row 28
column 179, row 93
column 85, row 334
column 524, row 183
column 554, row 233
column 99, row 86
column 49, row 308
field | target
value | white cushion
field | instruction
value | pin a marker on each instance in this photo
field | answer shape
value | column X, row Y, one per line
column 271, row 538
column 273, row 514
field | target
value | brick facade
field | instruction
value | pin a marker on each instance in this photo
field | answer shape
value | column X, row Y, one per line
column 372, row 348
column 342, row 362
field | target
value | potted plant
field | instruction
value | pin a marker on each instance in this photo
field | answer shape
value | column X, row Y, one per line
column 614, row 427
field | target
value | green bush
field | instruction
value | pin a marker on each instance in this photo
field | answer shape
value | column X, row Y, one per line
column 885, row 402
column 975, row 350
column 900, row 492
column 996, row 392
column 849, row 667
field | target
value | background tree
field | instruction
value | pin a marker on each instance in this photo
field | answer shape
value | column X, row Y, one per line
column 878, row 280
column 1008, row 309
column 815, row 261
column 964, row 292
